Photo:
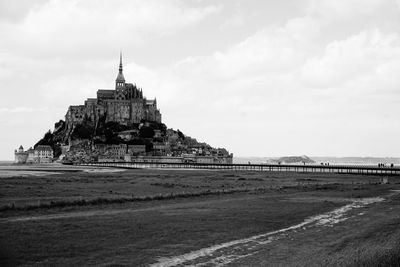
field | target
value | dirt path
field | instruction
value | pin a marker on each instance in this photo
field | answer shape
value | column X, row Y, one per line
column 225, row 253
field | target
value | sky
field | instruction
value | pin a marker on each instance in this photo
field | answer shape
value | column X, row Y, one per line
column 260, row 78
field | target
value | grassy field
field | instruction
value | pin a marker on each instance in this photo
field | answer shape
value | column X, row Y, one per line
column 65, row 216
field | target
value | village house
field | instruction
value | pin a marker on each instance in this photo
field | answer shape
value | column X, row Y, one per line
column 136, row 149
column 43, row 154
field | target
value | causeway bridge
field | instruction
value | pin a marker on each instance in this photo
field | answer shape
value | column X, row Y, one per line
column 308, row 168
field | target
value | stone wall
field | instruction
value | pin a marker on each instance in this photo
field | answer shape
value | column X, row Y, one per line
column 20, row 157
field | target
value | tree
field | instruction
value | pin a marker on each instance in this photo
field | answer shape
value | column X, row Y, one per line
column 60, row 125
column 149, row 146
column 114, row 140
column 82, row 132
column 46, row 140
column 49, row 139
column 146, row 132
column 136, row 142
column 181, row 135
column 115, row 126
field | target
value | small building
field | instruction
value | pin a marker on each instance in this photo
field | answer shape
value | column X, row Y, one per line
column 117, row 151
column 136, row 149
column 43, row 154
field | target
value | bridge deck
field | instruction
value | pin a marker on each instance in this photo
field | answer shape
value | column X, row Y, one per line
column 345, row 169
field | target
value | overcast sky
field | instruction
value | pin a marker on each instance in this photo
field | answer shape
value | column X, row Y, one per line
column 260, row 78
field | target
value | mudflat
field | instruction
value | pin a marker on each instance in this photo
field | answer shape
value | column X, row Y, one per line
column 88, row 216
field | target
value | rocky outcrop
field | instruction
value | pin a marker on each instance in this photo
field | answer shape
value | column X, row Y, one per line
column 294, row 160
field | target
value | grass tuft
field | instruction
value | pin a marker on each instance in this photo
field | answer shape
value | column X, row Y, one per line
column 103, row 201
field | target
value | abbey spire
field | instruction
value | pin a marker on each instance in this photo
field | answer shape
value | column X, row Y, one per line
column 120, row 62
column 120, row 77
column 125, row 104
column 120, row 82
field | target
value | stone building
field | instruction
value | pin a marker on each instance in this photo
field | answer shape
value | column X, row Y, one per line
column 125, row 104
column 20, row 156
column 41, row 154
column 31, row 156
column 136, row 150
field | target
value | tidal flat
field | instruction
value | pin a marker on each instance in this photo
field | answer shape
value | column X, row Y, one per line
column 67, row 216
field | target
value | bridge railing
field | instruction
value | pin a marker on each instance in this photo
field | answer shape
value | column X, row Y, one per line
column 345, row 169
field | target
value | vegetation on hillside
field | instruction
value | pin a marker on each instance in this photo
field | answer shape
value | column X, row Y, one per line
column 143, row 133
column 55, row 138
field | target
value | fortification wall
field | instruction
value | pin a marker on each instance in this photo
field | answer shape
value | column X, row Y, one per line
column 20, row 157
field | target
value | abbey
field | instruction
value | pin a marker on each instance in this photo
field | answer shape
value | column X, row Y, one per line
column 125, row 105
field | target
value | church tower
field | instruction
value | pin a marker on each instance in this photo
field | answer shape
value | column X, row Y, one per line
column 120, row 82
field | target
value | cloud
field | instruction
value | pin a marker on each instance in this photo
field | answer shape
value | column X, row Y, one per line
column 234, row 21
column 342, row 9
column 72, row 26
column 282, row 60
column 273, row 49
column 284, row 82
column 358, row 55
column 21, row 110
column 343, row 18
column 319, row 79
column 12, row 11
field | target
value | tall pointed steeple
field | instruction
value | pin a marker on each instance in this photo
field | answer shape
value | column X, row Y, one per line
column 120, row 82
column 120, row 62
column 120, row 77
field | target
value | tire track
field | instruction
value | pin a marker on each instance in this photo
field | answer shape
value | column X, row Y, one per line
column 222, row 254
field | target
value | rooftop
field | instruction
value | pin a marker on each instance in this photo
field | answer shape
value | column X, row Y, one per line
column 44, row 148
